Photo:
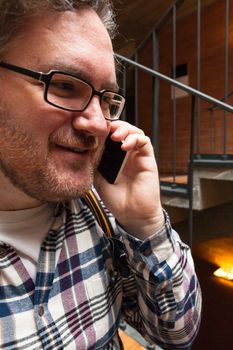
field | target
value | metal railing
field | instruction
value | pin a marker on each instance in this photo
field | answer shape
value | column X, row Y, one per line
column 194, row 94
column 170, row 19
column 197, row 96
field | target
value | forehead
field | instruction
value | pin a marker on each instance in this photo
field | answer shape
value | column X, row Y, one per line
column 75, row 39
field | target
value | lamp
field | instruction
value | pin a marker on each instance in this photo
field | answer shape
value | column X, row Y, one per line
column 226, row 273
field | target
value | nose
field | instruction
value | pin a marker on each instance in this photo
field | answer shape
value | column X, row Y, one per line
column 91, row 120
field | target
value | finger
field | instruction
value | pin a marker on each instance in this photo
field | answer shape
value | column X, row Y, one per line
column 136, row 142
column 121, row 133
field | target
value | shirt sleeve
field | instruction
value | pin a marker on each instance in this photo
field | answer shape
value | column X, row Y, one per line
column 162, row 297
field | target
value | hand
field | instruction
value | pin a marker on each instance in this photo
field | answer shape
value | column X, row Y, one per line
column 135, row 199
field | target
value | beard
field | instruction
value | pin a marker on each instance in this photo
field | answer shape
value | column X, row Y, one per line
column 30, row 165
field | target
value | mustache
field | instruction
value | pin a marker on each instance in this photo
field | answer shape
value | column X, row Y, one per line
column 75, row 139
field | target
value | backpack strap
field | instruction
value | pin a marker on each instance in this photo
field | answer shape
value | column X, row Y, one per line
column 118, row 253
column 97, row 209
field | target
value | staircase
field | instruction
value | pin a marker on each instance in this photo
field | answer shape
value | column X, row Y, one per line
column 178, row 84
column 191, row 130
column 212, row 185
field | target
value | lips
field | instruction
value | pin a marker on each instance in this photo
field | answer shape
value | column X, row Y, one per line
column 74, row 149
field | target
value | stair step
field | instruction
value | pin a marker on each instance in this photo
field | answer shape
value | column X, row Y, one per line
column 221, row 160
column 173, row 189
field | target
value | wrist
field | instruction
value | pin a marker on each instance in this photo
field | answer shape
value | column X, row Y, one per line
column 145, row 227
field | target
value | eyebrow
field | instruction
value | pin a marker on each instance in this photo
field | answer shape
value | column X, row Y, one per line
column 108, row 85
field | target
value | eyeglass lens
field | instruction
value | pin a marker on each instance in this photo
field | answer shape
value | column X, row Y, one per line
column 69, row 92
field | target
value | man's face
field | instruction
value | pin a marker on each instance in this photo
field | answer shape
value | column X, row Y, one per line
column 47, row 153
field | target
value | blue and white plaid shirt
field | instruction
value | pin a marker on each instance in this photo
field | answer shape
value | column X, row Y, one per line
column 85, row 284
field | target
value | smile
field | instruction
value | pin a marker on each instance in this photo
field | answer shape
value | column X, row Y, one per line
column 73, row 149
column 76, row 150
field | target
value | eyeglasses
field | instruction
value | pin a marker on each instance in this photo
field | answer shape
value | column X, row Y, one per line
column 66, row 91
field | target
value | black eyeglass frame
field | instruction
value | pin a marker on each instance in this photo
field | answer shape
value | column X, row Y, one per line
column 45, row 78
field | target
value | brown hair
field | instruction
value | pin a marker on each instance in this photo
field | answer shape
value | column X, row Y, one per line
column 13, row 14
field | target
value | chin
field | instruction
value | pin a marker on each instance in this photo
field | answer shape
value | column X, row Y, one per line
column 57, row 186
column 70, row 189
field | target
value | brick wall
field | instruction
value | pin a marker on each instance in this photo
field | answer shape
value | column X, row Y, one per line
column 212, row 83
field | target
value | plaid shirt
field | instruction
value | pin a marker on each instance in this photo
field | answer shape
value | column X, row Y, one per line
column 86, row 282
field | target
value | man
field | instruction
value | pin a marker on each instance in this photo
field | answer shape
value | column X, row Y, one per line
column 63, row 286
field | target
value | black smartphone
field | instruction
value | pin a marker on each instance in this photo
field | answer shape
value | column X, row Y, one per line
column 112, row 160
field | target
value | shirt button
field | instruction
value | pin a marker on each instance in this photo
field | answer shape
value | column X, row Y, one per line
column 3, row 252
column 41, row 310
column 147, row 252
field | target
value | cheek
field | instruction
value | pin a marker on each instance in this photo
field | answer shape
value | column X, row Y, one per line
column 25, row 106
column 40, row 121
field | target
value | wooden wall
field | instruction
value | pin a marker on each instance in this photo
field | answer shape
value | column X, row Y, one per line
column 212, row 83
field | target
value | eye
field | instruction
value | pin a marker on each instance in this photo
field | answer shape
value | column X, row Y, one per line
column 65, row 88
column 63, row 85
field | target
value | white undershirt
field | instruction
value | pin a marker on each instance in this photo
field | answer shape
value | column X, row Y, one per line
column 25, row 230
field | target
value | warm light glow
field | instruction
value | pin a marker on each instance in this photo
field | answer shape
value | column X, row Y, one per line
column 224, row 273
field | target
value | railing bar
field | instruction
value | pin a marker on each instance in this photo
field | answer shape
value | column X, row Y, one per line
column 190, row 172
column 155, row 96
column 174, row 92
column 198, row 74
column 159, row 24
column 136, row 91
column 213, row 132
column 166, row 16
column 178, row 84
column 221, row 99
column 226, row 77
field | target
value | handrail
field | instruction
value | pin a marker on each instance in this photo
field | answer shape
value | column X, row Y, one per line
column 192, row 91
column 222, row 99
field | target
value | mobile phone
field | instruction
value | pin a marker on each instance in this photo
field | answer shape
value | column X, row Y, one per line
column 112, row 160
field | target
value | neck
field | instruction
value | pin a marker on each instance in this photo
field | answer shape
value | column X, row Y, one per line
column 13, row 198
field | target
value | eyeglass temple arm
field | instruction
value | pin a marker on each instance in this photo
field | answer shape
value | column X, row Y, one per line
column 24, row 71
